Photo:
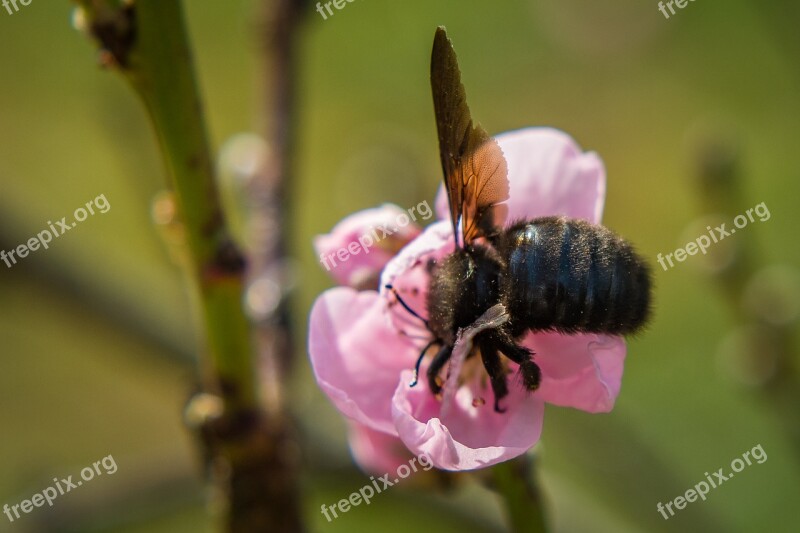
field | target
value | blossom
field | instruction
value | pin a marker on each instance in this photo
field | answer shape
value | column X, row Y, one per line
column 363, row 345
column 375, row 235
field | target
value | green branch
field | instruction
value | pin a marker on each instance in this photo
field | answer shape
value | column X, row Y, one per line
column 147, row 42
column 515, row 483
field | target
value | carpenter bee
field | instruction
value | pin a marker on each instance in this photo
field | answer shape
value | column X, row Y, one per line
column 550, row 273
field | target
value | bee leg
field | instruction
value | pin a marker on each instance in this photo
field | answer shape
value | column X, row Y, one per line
column 530, row 372
column 437, row 363
column 497, row 375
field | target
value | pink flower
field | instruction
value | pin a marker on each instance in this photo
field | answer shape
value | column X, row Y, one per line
column 359, row 246
column 375, row 451
column 363, row 345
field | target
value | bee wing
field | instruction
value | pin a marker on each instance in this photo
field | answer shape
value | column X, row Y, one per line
column 475, row 170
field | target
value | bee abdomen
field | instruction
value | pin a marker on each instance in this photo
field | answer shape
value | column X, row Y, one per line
column 571, row 276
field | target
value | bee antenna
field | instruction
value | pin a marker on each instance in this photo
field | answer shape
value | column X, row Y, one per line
column 405, row 306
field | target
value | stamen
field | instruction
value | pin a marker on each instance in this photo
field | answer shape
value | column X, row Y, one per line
column 405, row 306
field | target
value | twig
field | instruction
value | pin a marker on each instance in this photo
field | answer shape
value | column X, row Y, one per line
column 248, row 450
column 515, row 482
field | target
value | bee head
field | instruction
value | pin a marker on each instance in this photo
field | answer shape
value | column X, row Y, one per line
column 463, row 286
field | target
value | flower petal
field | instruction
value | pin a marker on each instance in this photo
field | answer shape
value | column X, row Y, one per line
column 376, row 452
column 548, row 174
column 442, row 204
column 580, row 371
column 408, row 274
column 357, row 355
column 367, row 240
column 468, row 436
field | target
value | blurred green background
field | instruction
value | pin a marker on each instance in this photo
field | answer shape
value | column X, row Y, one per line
column 97, row 342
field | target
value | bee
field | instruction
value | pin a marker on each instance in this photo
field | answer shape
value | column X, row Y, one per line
column 550, row 273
